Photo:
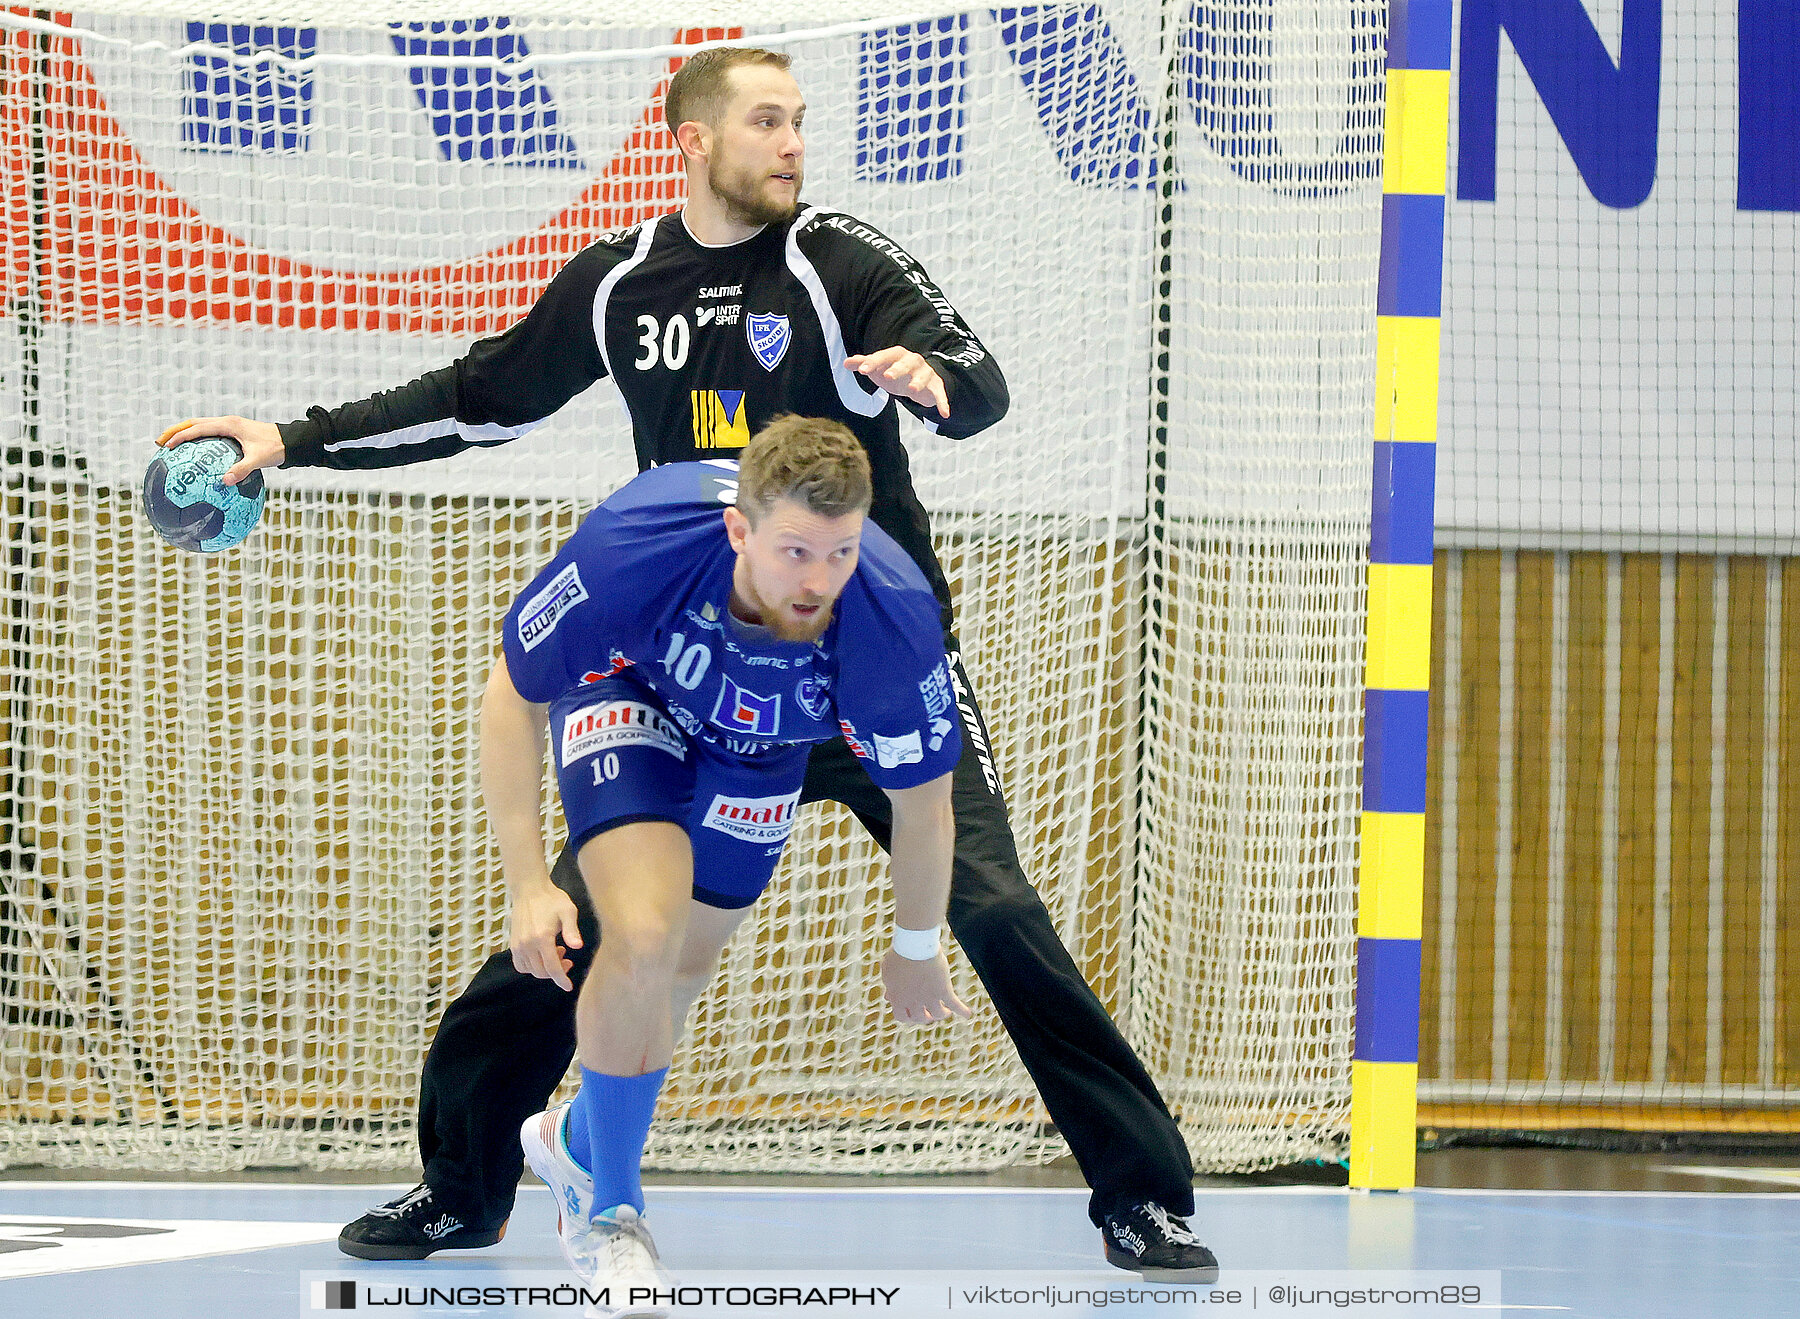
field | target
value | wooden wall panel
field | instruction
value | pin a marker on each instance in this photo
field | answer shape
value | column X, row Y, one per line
column 1788, row 857
column 1639, row 670
column 1477, row 798
column 1740, row 939
column 1675, row 800
column 1682, row 917
column 1586, row 806
column 1528, row 918
column 1431, row 966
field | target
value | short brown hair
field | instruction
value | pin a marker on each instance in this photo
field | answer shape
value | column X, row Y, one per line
column 815, row 462
column 700, row 86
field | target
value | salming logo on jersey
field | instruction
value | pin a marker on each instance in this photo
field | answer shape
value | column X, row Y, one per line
column 971, row 352
column 720, row 420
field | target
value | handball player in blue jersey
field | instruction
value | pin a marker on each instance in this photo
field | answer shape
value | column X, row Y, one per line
column 702, row 629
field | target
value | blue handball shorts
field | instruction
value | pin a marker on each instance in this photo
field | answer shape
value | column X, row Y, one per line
column 621, row 757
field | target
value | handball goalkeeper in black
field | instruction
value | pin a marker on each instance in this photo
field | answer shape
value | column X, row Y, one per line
column 711, row 321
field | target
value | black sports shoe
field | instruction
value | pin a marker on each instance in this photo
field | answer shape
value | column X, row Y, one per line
column 412, row 1227
column 1150, row 1241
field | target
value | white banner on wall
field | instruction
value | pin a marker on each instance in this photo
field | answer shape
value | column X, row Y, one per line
column 1621, row 305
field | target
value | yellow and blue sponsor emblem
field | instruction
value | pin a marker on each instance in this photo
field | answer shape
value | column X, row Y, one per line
column 720, row 421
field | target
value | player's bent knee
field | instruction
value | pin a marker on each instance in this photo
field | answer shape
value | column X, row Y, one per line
column 642, row 947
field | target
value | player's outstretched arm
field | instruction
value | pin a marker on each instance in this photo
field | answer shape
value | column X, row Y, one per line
column 260, row 440
column 900, row 331
column 923, row 844
column 904, row 374
column 543, row 919
column 502, row 387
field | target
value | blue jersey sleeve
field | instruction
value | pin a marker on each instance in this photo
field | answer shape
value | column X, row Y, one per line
column 561, row 633
column 894, row 697
column 596, row 607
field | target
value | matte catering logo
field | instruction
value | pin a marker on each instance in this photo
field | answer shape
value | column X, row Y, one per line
column 753, row 819
column 538, row 616
column 619, row 723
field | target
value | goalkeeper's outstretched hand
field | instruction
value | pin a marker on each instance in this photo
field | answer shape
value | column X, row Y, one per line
column 260, row 440
column 904, row 374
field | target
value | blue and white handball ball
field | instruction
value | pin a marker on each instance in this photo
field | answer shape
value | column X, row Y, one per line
column 188, row 503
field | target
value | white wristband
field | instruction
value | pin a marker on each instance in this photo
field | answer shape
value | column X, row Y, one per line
column 917, row 945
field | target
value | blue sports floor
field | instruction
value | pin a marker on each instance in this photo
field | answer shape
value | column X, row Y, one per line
column 1597, row 1255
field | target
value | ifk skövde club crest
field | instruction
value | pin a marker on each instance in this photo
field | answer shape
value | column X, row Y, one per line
column 769, row 335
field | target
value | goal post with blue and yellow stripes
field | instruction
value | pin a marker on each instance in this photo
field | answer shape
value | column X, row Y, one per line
column 1385, row 1062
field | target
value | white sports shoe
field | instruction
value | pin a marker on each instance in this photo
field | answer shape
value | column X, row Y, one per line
column 626, row 1259
column 547, row 1152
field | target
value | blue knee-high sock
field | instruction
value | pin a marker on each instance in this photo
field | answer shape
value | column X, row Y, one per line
column 608, row 1125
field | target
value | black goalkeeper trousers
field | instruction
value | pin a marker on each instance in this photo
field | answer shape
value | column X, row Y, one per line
column 505, row 1044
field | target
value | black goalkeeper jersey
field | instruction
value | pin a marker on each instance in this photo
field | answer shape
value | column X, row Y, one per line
column 705, row 344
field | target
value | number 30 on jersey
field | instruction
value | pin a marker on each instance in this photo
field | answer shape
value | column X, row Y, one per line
column 667, row 344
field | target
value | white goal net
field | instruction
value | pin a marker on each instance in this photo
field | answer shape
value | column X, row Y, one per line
column 243, row 860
